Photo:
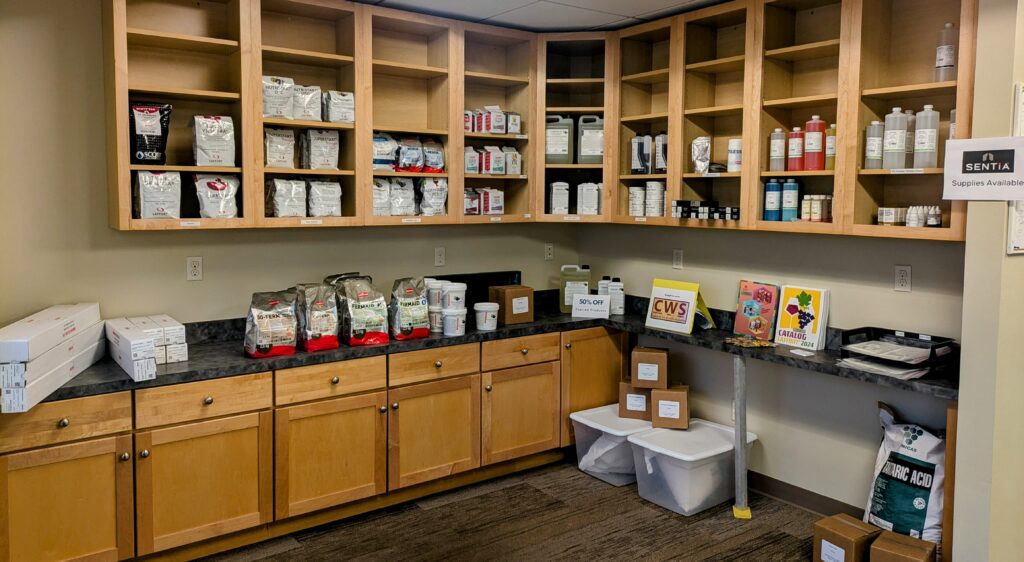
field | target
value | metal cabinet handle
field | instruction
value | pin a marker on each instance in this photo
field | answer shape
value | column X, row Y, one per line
column 568, row 345
column 125, row 457
column 394, row 406
column 335, row 380
column 383, row 409
column 487, row 388
column 208, row 400
column 64, row 422
column 524, row 351
column 144, row 453
column 437, row 364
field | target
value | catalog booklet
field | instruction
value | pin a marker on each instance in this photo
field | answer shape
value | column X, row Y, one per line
column 674, row 306
column 803, row 317
column 755, row 310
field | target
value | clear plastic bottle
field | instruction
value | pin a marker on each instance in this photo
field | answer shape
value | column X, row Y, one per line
column 814, row 144
column 894, row 150
column 602, row 285
column 790, row 200
column 795, row 150
column 873, row 146
column 911, row 127
column 830, row 147
column 945, row 54
column 777, row 151
column 926, row 139
column 574, row 279
column 952, row 124
column 617, row 296
column 773, row 200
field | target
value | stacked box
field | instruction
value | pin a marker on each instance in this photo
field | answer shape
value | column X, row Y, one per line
column 168, row 337
column 132, row 349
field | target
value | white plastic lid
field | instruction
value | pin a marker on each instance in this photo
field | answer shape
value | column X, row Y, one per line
column 815, row 117
column 796, row 129
column 606, row 419
column 436, row 284
column 897, row 109
column 928, row 106
column 702, row 440
column 778, row 129
column 435, row 308
column 831, row 125
column 949, row 26
column 876, row 122
column 454, row 312
column 486, row 306
column 454, row 287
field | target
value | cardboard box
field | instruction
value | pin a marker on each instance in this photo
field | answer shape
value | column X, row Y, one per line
column 513, row 123
column 670, row 407
column 493, row 161
column 34, row 335
column 132, row 349
column 20, row 375
column 634, row 403
column 492, row 201
column 150, row 328
column 842, row 538
column 161, row 354
column 177, row 353
column 174, row 331
column 515, row 303
column 894, row 547
column 513, row 161
column 471, row 160
column 650, row 367
column 16, row 400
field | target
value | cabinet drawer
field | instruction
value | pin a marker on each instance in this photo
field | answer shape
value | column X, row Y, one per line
column 66, row 420
column 314, row 382
column 200, row 400
column 516, row 352
column 432, row 364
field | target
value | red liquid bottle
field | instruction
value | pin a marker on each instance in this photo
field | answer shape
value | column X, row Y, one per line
column 814, row 144
column 795, row 150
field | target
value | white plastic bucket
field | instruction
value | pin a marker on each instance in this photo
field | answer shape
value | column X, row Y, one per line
column 434, row 292
column 686, row 471
column 453, row 296
column 436, row 317
column 454, row 321
column 486, row 316
column 601, row 447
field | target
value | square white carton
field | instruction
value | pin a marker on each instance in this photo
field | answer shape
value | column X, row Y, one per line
column 34, row 335
column 150, row 328
column 17, row 400
column 19, row 375
column 174, row 331
column 493, row 161
column 132, row 349
column 513, row 161
column 492, row 201
column 177, row 353
column 472, row 160
column 161, row 354
column 513, row 123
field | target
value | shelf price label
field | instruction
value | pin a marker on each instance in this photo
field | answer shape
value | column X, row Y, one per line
column 640, row 219
column 311, row 221
column 411, row 221
column 570, row 218
column 495, row 219
column 903, row 171
column 189, row 224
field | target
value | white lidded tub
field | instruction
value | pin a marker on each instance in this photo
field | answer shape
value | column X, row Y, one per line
column 686, row 471
column 601, row 445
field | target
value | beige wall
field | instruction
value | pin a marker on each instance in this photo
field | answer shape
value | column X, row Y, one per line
column 57, row 246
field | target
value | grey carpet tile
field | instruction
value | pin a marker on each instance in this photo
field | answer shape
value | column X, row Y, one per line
column 552, row 513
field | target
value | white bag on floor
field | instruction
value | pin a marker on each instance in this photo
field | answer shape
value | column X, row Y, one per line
column 606, row 457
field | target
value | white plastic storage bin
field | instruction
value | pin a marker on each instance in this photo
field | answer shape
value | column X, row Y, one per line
column 686, row 471
column 601, row 445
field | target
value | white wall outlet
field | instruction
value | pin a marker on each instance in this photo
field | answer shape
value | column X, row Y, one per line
column 194, row 268
column 549, row 251
column 677, row 258
column 439, row 256
column 903, row 281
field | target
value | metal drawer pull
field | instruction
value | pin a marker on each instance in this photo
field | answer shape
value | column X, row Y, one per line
column 383, row 409
column 524, row 351
column 568, row 346
column 335, row 380
column 394, row 406
column 64, row 422
column 487, row 388
column 125, row 457
column 437, row 364
column 144, row 453
column 208, row 400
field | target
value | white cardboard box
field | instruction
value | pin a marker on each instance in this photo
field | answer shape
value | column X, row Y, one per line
column 174, row 331
column 177, row 353
column 151, row 329
column 161, row 354
column 17, row 400
column 132, row 349
column 19, row 375
column 34, row 335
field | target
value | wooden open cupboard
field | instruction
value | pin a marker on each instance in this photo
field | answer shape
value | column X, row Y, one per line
column 736, row 70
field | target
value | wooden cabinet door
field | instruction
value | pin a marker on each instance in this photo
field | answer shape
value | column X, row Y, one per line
column 330, row 452
column 203, row 479
column 433, row 430
column 68, row 502
column 593, row 364
column 520, row 411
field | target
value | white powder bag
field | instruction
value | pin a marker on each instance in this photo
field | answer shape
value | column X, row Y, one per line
column 324, row 198
column 384, row 149
column 433, row 197
column 403, row 197
column 306, row 103
column 433, row 157
column 381, row 197
column 158, row 195
column 277, row 97
column 319, row 149
column 217, row 196
column 286, row 198
column 279, row 145
column 339, row 107
column 213, row 141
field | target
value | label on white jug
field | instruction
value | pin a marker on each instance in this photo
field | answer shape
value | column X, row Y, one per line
column 557, row 141
column 813, row 140
column 895, row 141
column 873, row 148
column 778, row 148
column 925, row 140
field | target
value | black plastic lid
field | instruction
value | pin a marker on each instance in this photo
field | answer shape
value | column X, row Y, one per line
column 605, row 278
column 616, row 280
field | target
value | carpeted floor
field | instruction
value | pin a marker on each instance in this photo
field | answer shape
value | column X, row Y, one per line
column 551, row 513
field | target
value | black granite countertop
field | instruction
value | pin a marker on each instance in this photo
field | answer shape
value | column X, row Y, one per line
column 215, row 350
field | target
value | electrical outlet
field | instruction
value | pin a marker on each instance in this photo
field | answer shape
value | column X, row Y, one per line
column 677, row 258
column 549, row 252
column 903, row 280
column 439, row 256
column 194, row 268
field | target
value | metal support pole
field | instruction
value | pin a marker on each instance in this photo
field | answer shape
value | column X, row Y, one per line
column 740, row 510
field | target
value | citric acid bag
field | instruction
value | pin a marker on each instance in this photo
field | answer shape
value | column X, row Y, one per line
column 906, row 495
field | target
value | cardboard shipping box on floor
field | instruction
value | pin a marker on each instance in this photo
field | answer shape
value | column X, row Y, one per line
column 634, row 403
column 893, row 547
column 650, row 367
column 670, row 407
column 515, row 303
column 842, row 538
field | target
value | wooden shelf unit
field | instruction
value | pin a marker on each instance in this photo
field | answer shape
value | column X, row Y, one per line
column 732, row 70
